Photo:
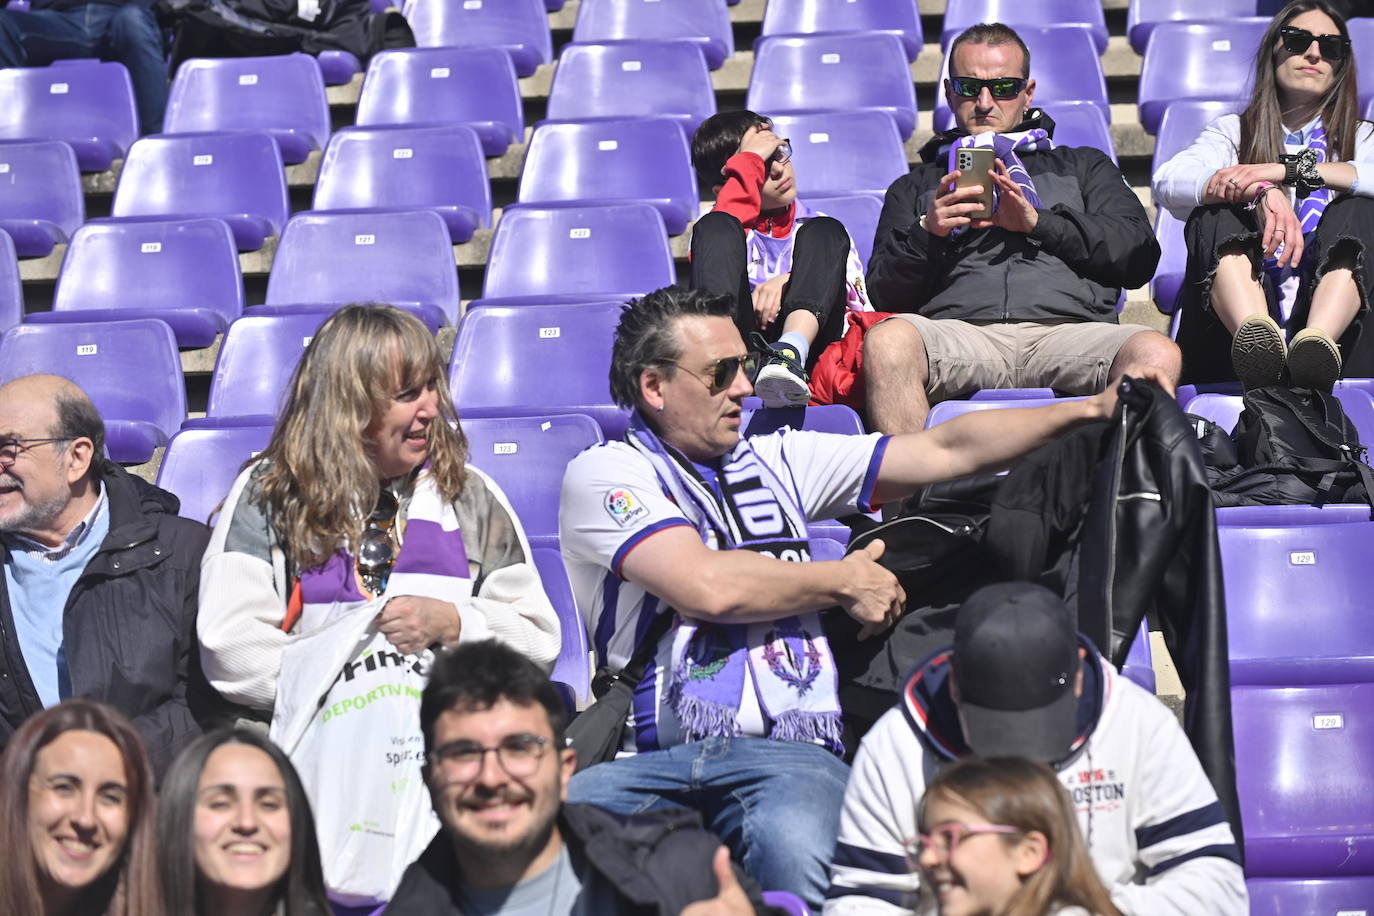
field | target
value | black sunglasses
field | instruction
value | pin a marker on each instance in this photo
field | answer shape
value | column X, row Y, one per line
column 1296, row 41
column 1001, row 87
column 722, row 372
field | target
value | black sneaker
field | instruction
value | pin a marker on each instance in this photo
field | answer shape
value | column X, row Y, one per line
column 782, row 382
column 1258, row 353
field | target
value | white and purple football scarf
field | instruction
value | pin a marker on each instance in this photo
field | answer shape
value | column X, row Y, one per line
column 1005, row 147
column 1309, row 211
column 748, row 508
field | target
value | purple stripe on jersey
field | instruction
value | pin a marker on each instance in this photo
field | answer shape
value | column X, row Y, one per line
column 638, row 536
column 331, row 581
column 605, row 623
column 875, row 462
column 431, row 550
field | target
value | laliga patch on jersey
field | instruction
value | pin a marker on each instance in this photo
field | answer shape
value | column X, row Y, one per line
column 624, row 507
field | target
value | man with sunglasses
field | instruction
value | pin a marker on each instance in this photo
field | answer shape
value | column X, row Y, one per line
column 1020, row 682
column 1026, row 298
column 101, row 575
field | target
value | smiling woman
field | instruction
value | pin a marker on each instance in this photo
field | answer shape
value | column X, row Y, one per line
column 76, row 790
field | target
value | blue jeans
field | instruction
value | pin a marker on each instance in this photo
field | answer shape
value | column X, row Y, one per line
column 776, row 804
column 125, row 33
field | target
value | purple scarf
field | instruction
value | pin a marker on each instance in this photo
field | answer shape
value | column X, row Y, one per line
column 1005, row 147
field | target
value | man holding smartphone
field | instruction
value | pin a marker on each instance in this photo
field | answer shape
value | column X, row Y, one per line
column 1024, row 295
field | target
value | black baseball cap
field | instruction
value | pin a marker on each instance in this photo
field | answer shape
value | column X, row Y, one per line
column 1015, row 663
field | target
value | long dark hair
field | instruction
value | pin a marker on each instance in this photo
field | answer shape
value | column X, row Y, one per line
column 1261, row 130
column 301, row 890
column 130, row 887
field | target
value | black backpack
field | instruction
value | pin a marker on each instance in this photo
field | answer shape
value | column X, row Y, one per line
column 1292, row 446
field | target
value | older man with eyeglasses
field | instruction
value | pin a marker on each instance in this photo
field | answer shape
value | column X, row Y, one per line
column 101, row 575
column 1024, row 296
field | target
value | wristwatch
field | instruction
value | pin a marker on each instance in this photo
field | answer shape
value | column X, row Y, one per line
column 1300, row 171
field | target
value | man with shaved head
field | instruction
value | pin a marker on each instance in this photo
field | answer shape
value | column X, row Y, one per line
column 99, row 593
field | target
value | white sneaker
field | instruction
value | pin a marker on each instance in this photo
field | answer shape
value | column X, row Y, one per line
column 782, row 381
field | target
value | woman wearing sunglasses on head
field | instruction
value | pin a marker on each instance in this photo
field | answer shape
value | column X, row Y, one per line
column 999, row 838
column 1278, row 206
column 235, row 832
column 76, row 816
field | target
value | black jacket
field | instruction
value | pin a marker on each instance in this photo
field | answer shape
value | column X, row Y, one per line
column 129, row 626
column 1093, row 237
column 655, row 863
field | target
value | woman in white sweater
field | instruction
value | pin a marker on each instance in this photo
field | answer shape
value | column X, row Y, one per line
column 1278, row 206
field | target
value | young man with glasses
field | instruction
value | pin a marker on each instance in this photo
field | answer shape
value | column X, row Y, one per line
column 100, row 578
column 1026, row 298
column 792, row 270
column 498, row 769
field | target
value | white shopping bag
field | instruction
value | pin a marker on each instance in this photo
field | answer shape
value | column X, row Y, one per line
column 348, row 715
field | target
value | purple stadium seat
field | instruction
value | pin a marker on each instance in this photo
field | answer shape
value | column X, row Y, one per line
column 573, row 666
column 1144, row 16
column 613, row 161
column 1362, row 41
column 282, row 95
column 518, row 27
column 703, row 22
column 185, row 272
column 41, row 202
column 843, row 152
column 130, row 369
column 1197, row 60
column 439, row 167
column 807, row 17
column 1139, row 665
column 90, row 108
column 254, row 368
column 1285, row 896
column 1224, row 409
column 11, row 288
column 633, row 79
column 553, row 6
column 1321, row 568
column 1080, row 14
column 839, row 71
column 401, row 258
column 1173, row 261
column 1369, row 111
column 1012, row 394
column 1183, row 121
column 858, row 212
column 338, row 67
column 1081, row 123
column 534, row 360
column 1305, row 783
column 788, row 902
column 1292, row 516
column 435, row 85
column 237, row 177
column 527, row 456
column 948, row 410
column 612, row 251
column 1065, row 65
column 200, row 465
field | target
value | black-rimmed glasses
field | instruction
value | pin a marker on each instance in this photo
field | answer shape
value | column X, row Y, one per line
column 461, row 761
column 945, row 838
column 721, row 373
column 1296, row 41
column 11, row 449
column 377, row 547
column 1001, row 87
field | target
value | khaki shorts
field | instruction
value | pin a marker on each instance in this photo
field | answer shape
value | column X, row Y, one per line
column 1073, row 357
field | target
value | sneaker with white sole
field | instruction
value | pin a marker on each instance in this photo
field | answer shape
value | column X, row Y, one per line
column 1258, row 352
column 1314, row 360
column 782, row 381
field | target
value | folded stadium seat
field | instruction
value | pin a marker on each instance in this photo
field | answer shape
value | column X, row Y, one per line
column 562, row 254
column 807, row 17
column 518, row 27
column 1305, row 783
column 1224, row 409
column 282, row 95
column 858, row 212
column 613, row 161
column 1173, row 261
column 1139, row 666
column 200, row 465
column 1080, row 123
column 843, row 152
column 11, row 287
column 402, row 258
column 840, row 71
column 534, row 360
column 91, row 108
column 130, row 369
column 338, row 67
column 237, row 177
column 435, row 85
column 527, row 456
column 786, row 901
column 1362, row 46
column 1182, row 122
column 1065, row 65
column 633, row 79
column 573, row 665
column 1080, row 14
column 1144, row 16
column 185, row 272
column 41, row 201
column 253, row 371
column 1197, row 60
column 439, row 167
column 1282, row 896
column 703, row 22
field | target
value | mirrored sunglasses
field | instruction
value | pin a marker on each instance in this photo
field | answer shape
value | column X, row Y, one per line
column 1001, row 87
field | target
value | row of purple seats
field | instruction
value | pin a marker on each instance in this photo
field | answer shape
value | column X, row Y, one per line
column 1144, row 16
